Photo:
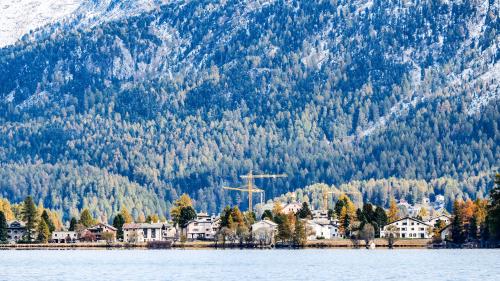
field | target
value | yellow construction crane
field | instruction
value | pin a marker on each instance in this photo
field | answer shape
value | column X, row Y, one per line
column 325, row 198
column 250, row 186
column 326, row 193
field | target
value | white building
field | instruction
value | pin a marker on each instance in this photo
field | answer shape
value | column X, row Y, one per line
column 264, row 232
column 293, row 207
column 320, row 214
column 64, row 237
column 432, row 221
column 322, row 229
column 410, row 228
column 15, row 231
column 146, row 232
column 204, row 227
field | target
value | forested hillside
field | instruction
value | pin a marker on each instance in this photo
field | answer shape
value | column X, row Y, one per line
column 381, row 191
column 186, row 96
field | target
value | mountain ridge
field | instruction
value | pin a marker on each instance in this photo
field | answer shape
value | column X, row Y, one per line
column 188, row 95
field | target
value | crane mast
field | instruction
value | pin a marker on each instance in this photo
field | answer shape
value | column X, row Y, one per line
column 250, row 187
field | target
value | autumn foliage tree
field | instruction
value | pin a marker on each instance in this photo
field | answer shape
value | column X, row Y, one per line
column 182, row 211
column 347, row 214
column 86, row 218
column 393, row 213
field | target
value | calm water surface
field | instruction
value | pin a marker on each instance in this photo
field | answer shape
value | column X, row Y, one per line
column 252, row 265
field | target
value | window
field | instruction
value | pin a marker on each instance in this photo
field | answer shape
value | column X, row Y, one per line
column 422, row 235
column 412, row 223
column 145, row 230
column 153, row 233
column 403, row 235
column 422, row 229
column 405, row 223
column 412, row 228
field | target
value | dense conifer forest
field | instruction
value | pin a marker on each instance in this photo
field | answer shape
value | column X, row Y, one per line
column 392, row 98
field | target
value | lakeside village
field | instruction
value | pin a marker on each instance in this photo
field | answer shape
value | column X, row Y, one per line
column 281, row 224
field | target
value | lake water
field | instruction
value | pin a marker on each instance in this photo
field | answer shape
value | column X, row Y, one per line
column 241, row 265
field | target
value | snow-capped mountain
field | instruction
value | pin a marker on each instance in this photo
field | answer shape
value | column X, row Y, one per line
column 175, row 95
column 19, row 17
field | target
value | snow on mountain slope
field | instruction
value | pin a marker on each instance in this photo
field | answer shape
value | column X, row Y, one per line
column 21, row 16
column 99, row 11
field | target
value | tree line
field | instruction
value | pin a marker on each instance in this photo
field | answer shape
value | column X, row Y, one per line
column 313, row 104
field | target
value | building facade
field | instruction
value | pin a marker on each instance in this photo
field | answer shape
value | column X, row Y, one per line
column 409, row 228
column 15, row 231
column 322, row 229
column 64, row 237
column 146, row 232
column 98, row 233
column 293, row 207
column 204, row 227
column 264, row 232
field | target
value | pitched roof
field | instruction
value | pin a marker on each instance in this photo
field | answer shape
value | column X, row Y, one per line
column 410, row 218
column 271, row 223
column 322, row 222
column 21, row 223
column 144, row 225
column 103, row 225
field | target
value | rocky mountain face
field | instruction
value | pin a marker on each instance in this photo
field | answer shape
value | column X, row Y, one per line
column 183, row 96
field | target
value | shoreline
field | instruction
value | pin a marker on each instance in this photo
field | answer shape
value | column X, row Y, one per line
column 316, row 244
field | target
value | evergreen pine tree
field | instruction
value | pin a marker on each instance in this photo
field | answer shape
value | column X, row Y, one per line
column 187, row 214
column 494, row 211
column 72, row 224
column 267, row 214
column 48, row 221
column 380, row 220
column 338, row 207
column 30, row 217
column 118, row 223
column 43, row 232
column 305, row 212
column 299, row 233
column 284, row 229
column 457, row 225
column 3, row 228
